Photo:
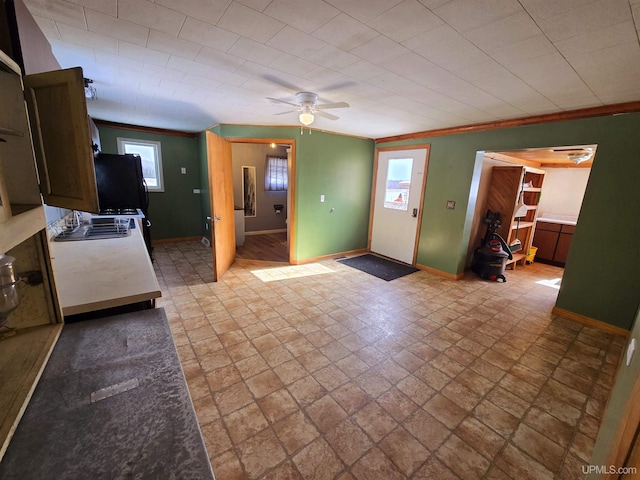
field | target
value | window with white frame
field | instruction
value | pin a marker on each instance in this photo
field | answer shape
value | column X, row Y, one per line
column 275, row 174
column 150, row 153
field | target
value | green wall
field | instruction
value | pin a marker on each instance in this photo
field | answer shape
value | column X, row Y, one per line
column 176, row 212
column 337, row 166
column 601, row 275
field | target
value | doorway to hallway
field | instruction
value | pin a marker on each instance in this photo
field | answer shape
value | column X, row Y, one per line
column 264, row 230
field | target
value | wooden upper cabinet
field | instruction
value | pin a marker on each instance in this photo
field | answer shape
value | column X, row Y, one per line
column 62, row 139
column 21, row 211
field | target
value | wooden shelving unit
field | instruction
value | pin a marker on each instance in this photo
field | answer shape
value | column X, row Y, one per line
column 508, row 185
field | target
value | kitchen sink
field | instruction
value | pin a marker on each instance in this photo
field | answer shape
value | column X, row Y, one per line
column 105, row 228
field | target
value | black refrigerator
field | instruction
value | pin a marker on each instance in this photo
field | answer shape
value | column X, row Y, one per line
column 122, row 189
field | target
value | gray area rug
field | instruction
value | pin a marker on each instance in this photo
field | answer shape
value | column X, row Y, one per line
column 379, row 267
column 147, row 432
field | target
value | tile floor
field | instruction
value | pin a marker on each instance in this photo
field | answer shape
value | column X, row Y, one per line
column 320, row 371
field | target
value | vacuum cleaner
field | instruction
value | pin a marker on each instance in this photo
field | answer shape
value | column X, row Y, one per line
column 489, row 260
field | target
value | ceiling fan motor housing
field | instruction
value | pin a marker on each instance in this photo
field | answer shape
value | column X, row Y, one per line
column 307, row 99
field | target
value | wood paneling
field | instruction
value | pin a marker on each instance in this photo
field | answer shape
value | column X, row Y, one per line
column 545, row 157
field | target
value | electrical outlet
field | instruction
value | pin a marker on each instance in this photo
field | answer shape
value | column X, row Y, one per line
column 183, row 170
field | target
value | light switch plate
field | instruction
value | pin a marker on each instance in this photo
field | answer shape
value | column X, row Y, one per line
column 631, row 348
column 183, row 170
column 321, row 198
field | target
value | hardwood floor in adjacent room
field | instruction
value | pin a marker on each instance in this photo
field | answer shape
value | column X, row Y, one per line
column 270, row 247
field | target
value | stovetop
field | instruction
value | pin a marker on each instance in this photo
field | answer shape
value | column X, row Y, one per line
column 120, row 212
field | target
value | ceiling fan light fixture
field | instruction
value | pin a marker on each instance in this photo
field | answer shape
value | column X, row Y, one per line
column 306, row 118
column 307, row 107
column 579, row 157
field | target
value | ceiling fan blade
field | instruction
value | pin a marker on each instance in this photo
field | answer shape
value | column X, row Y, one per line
column 284, row 113
column 326, row 115
column 332, row 105
column 281, row 82
column 338, row 86
column 277, row 100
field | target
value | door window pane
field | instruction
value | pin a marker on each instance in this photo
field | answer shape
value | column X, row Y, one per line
column 398, row 185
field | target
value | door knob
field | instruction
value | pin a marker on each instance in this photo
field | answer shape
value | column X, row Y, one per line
column 415, row 212
column 215, row 218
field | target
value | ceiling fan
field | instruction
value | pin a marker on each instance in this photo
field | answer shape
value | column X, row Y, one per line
column 307, row 105
column 577, row 155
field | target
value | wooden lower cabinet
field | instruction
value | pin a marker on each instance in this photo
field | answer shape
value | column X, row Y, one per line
column 553, row 241
column 546, row 242
column 562, row 250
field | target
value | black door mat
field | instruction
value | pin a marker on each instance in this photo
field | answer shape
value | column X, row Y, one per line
column 379, row 267
column 112, row 403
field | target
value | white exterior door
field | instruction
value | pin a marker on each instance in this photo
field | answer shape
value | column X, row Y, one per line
column 400, row 180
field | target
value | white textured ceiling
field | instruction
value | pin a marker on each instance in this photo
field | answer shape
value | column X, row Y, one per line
column 403, row 65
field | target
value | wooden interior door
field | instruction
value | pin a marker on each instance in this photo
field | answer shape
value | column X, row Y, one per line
column 223, row 234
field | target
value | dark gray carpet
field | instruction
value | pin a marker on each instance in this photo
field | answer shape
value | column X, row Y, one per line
column 379, row 267
column 148, row 432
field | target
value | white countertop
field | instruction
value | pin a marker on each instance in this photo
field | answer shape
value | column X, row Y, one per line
column 96, row 274
column 557, row 218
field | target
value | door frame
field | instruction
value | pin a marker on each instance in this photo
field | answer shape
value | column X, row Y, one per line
column 421, row 146
column 291, row 183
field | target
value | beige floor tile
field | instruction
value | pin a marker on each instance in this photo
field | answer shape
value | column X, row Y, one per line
column 295, row 432
column 480, row 437
column 539, row 447
column 277, row 405
column 374, row 420
column 375, row 464
column 404, row 450
column 261, row 453
column 326, row 372
column 318, row 461
column 426, row 429
column 349, row 441
column 326, row 413
column 467, row 463
column 245, row 422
